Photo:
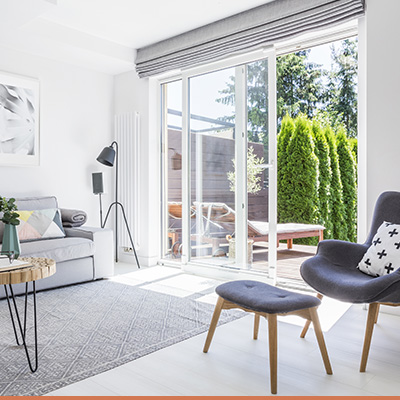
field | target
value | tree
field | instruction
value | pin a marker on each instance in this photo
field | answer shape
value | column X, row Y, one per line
column 325, row 176
column 302, row 175
column 299, row 90
column 257, row 100
column 284, row 181
column 336, row 206
column 253, row 173
column 299, row 85
column 342, row 86
column 349, row 183
column 354, row 148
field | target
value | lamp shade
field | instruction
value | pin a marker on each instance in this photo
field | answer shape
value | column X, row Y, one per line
column 107, row 156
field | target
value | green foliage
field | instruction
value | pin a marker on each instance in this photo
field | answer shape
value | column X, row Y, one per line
column 299, row 84
column 337, row 210
column 302, row 172
column 284, row 180
column 253, row 173
column 342, row 87
column 8, row 208
column 349, row 182
column 354, row 148
column 257, row 102
column 325, row 176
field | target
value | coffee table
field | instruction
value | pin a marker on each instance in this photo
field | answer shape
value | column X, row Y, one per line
column 37, row 268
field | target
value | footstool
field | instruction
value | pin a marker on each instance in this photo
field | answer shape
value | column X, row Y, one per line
column 268, row 301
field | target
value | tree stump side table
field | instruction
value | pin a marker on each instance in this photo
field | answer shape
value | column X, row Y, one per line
column 37, row 268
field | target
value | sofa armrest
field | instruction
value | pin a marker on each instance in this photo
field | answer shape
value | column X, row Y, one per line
column 103, row 243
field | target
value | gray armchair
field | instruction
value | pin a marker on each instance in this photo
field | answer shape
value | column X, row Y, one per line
column 333, row 271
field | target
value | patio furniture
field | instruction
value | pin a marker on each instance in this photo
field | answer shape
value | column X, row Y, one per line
column 333, row 271
column 268, row 301
column 258, row 231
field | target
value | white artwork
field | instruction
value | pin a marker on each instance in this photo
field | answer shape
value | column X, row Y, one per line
column 19, row 120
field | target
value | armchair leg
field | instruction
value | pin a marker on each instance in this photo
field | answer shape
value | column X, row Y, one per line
column 308, row 322
column 377, row 313
column 372, row 313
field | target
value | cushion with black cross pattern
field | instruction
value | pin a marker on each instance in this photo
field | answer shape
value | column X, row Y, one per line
column 383, row 256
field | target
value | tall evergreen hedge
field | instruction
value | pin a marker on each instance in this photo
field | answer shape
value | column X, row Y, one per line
column 317, row 180
column 302, row 174
column 337, row 210
column 349, row 182
column 325, row 176
column 284, row 180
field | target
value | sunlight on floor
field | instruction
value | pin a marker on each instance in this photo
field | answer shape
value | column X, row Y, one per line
column 175, row 282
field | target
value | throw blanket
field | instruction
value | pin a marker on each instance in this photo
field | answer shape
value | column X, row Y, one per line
column 73, row 218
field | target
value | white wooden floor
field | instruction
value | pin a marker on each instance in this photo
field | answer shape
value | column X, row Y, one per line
column 238, row 365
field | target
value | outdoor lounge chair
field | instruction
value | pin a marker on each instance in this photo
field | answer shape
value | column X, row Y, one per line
column 218, row 221
column 258, row 231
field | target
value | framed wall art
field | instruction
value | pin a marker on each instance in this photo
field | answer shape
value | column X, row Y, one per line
column 19, row 120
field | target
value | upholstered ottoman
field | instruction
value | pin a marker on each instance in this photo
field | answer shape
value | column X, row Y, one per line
column 268, row 301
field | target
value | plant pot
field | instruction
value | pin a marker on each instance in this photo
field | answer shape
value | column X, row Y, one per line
column 10, row 241
column 232, row 249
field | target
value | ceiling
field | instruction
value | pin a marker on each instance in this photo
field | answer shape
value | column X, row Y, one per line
column 103, row 34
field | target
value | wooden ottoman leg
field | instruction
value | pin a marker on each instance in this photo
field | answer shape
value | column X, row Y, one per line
column 256, row 326
column 372, row 311
column 213, row 324
column 320, row 339
column 308, row 322
column 305, row 329
column 273, row 351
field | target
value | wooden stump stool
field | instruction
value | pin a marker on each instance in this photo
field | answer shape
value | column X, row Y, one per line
column 268, row 301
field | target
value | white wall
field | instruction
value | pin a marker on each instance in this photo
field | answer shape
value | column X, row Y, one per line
column 76, row 122
column 382, row 98
column 134, row 94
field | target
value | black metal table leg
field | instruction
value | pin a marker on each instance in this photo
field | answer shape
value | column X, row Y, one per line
column 22, row 330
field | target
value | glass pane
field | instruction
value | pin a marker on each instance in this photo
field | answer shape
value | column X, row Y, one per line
column 212, row 141
column 257, row 165
column 172, row 136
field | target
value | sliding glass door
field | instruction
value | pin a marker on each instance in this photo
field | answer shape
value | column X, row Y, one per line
column 228, row 190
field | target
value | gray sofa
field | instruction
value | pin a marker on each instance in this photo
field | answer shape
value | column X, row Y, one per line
column 85, row 254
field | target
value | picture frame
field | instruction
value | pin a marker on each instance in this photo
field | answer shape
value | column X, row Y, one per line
column 19, row 120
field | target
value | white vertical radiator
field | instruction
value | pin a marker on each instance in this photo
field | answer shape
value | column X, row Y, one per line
column 127, row 133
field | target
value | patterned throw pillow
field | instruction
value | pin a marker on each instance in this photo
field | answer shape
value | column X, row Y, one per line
column 383, row 257
column 40, row 224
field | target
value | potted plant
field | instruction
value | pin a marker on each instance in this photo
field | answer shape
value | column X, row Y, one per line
column 10, row 219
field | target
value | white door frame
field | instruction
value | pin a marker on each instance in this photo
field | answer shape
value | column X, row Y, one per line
column 241, row 196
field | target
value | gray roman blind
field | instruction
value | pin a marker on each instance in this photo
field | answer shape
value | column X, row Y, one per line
column 260, row 26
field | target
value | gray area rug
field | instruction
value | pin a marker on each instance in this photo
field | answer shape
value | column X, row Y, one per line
column 90, row 328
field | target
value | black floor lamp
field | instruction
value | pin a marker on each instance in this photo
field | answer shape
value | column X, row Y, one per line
column 107, row 157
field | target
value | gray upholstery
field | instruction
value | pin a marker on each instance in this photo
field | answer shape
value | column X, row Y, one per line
column 261, row 297
column 65, row 249
column 32, row 203
column 333, row 270
column 68, row 272
column 84, row 254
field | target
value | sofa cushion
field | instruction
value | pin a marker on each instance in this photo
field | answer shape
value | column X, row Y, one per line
column 40, row 224
column 65, row 249
column 32, row 203
column 383, row 256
